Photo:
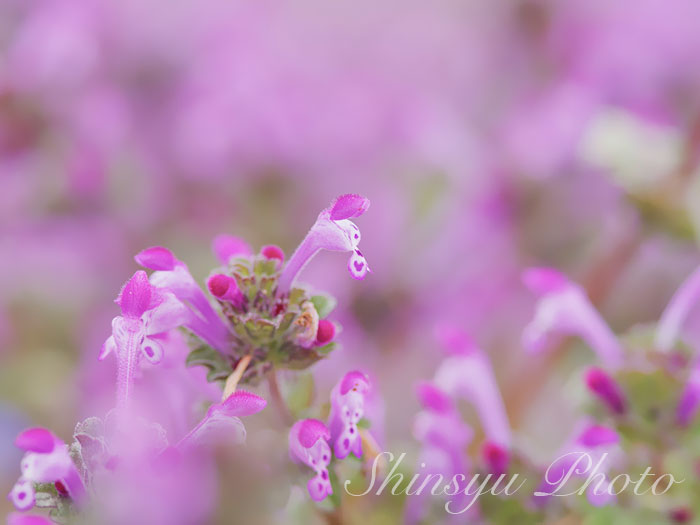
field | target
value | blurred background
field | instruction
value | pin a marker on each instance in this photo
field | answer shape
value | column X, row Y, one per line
column 488, row 135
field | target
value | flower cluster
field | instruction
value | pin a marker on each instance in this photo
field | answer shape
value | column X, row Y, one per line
column 310, row 440
column 258, row 321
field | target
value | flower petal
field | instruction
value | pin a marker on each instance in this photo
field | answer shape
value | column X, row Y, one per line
column 156, row 258
column 311, row 430
column 135, row 297
column 22, row 494
column 348, row 206
column 431, row 397
column 240, row 404
column 36, row 440
column 27, row 519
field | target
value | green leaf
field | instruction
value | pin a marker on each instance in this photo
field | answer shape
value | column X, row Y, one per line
column 324, row 304
column 327, row 348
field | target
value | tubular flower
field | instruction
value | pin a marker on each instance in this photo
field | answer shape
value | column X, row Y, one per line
column 444, row 438
column 564, row 309
column 347, row 409
column 467, row 373
column 173, row 275
column 689, row 403
column 334, row 231
column 606, row 389
column 308, row 444
column 677, row 311
column 46, row 460
column 147, row 314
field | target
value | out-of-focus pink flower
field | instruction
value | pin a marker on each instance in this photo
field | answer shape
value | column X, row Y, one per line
column 467, row 373
column 147, row 313
column 173, row 275
column 564, row 309
column 606, row 389
column 46, row 461
column 308, row 444
column 444, row 438
column 226, row 246
column 223, row 419
column 690, row 398
column 347, row 409
column 593, row 441
column 334, row 231
column 676, row 312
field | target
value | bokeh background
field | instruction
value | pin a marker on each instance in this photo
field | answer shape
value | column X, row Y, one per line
column 489, row 136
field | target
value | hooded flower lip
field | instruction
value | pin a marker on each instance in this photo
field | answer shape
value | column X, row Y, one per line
column 222, row 420
column 334, row 231
column 308, row 444
column 676, row 312
column 173, row 275
column 564, row 309
column 347, row 409
column 467, row 373
column 46, row 460
column 147, row 313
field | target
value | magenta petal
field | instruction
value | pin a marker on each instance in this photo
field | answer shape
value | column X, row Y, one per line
column 354, row 380
column 311, row 430
column 606, row 389
column 135, row 297
column 544, row 280
column 496, row 457
column 226, row 246
column 433, row 398
column 36, row 440
column 348, row 206
column 240, row 403
column 156, row 258
column 26, row 519
column 272, row 251
column 596, row 435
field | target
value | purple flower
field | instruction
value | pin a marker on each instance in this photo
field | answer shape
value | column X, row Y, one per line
column 334, row 231
column 688, row 405
column 467, row 373
column 606, row 389
column 147, row 314
column 308, row 444
column 222, row 420
column 173, row 275
column 676, row 312
column 444, row 438
column 347, row 409
column 46, row 461
column 564, row 309
column 594, row 441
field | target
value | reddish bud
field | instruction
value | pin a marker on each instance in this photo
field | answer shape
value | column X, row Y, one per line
column 272, row 252
column 325, row 332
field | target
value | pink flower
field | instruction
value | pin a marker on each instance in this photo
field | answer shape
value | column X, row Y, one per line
column 467, row 373
column 223, row 420
column 677, row 311
column 347, row 409
column 174, row 276
column 588, row 439
column 688, row 405
column 334, row 231
column 25, row 519
column 147, row 314
column 46, row 461
column 308, row 444
column 564, row 309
